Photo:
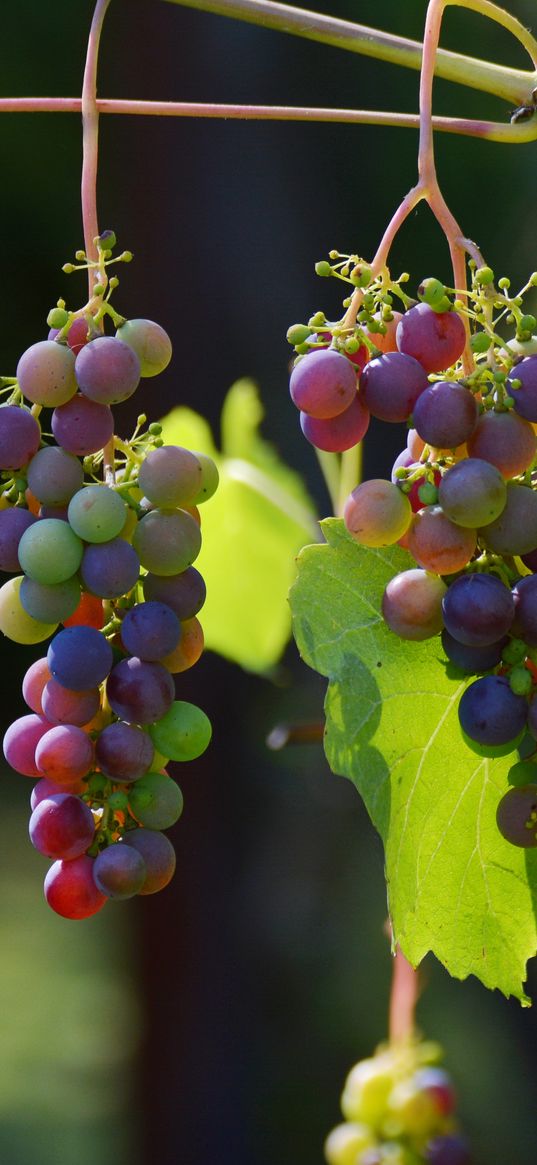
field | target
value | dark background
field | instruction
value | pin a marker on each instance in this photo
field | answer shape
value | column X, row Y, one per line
column 216, row 1022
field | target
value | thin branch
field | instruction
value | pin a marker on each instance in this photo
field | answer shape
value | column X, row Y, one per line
column 514, row 85
column 403, row 1000
column 492, row 131
column 90, row 139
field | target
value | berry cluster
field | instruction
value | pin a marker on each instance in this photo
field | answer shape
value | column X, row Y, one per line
column 463, row 494
column 110, row 558
column 399, row 1110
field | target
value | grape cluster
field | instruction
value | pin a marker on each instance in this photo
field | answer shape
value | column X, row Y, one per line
column 463, row 492
column 110, row 558
column 399, row 1108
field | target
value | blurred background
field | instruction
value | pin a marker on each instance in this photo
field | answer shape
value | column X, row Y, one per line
column 216, row 1022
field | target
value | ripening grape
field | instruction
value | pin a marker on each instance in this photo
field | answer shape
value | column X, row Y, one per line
column 107, row 370
column 209, row 478
column 516, row 816
column 35, row 678
column 140, row 692
column 170, row 476
column 391, row 384
column 377, row 513
column 525, row 396
column 386, row 342
column 15, row 622
column 445, row 415
column 336, row 434
column 62, row 826
column 158, row 854
column 151, row 343
column 119, row 871
column 97, row 513
column 478, row 609
column 150, row 630
column 188, row 650
column 438, row 544
column 20, row 743
column 13, row 522
column 64, row 754
column 472, row 493
column 525, row 599
column 156, row 801
column 70, row 889
column 346, row 1142
column 436, row 339
column 167, row 541
column 50, row 603
column 82, row 426
column 62, row 706
column 81, row 331
column 110, row 569
column 504, row 439
column 124, row 752
column 515, row 530
column 46, row 374
column 184, row 593
column 49, row 551
column 412, row 604
column 20, row 436
column 323, row 383
column 54, row 476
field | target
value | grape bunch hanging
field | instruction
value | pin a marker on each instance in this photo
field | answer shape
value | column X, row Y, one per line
column 99, row 536
column 400, row 1109
column 461, row 371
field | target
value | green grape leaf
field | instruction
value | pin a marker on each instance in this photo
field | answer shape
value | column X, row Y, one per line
column 253, row 527
column 455, row 886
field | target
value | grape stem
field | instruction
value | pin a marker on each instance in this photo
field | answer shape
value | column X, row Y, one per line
column 492, row 131
column 404, row 995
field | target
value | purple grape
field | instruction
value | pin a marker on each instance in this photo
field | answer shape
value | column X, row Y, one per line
column 445, row 415
column 436, row 339
column 82, row 426
column 336, row 434
column 13, row 523
column 119, row 871
column 107, row 370
column 20, row 743
column 504, row 439
column 63, row 706
column 525, row 397
column 158, row 854
column 525, row 599
column 184, row 593
column 70, row 889
column 323, row 383
column 20, row 436
column 529, row 559
column 515, row 531
column 54, row 476
column 490, row 713
column 46, row 373
column 448, row 1150
column 167, row 541
column 472, row 660
column 79, row 658
column 124, row 752
column 478, row 609
column 391, row 384
column 140, row 692
column 110, row 569
column 150, row 630
column 472, row 493
column 62, row 826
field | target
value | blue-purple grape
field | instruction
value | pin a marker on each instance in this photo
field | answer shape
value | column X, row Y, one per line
column 150, row 630
column 185, row 593
column 110, row 569
column 140, row 692
column 20, row 436
column 391, row 384
column 13, row 523
column 158, row 854
column 478, row 609
column 119, row 871
column 490, row 713
column 445, row 415
column 80, row 658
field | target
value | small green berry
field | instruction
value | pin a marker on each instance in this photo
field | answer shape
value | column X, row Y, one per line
column 480, row 342
column 57, row 317
column 484, row 276
column 514, row 651
column 428, row 493
column 361, row 275
column 520, row 681
column 431, row 291
column 323, row 268
column 298, row 334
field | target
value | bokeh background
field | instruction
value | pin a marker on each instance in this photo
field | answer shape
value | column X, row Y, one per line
column 216, row 1022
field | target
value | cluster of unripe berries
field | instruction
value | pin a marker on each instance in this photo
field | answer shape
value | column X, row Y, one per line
column 399, row 1109
column 462, row 498
column 111, row 561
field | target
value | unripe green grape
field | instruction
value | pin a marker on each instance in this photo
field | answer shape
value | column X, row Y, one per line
column 484, row 276
column 413, row 1110
column 209, row 478
column 523, row 773
column 57, row 317
column 150, row 342
column 346, row 1141
column 428, row 493
column 480, row 342
column 514, row 651
column 361, row 275
column 298, row 334
column 527, row 323
column 15, row 623
column 520, row 681
column 431, row 291
column 118, row 800
column 366, row 1091
column 183, row 733
column 97, row 513
column 156, row 801
column 50, row 551
column 323, row 268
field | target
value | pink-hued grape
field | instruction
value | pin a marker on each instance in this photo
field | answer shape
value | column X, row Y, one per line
column 107, row 370
column 46, row 374
column 336, row 434
column 82, row 426
column 386, row 342
column 37, row 675
column 79, row 334
column 124, row 752
column 140, row 692
column 43, row 789
column 64, row 754
column 323, row 383
column 377, row 513
column 20, row 436
column 412, row 604
column 63, row 706
column 13, row 523
column 119, row 871
column 62, row 826
column 436, row 339
column 158, row 854
column 438, row 544
column 405, row 460
column 70, row 889
column 20, row 743
column 504, row 439
column 391, row 384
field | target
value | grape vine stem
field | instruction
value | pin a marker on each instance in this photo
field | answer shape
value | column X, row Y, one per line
column 403, row 999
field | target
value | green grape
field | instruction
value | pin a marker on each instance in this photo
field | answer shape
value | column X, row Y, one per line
column 431, row 291
column 345, row 1142
column 14, row 620
column 150, row 342
column 377, row 513
column 97, row 513
column 524, row 772
column 367, row 1089
column 209, row 478
column 156, row 801
column 183, row 733
column 50, row 551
